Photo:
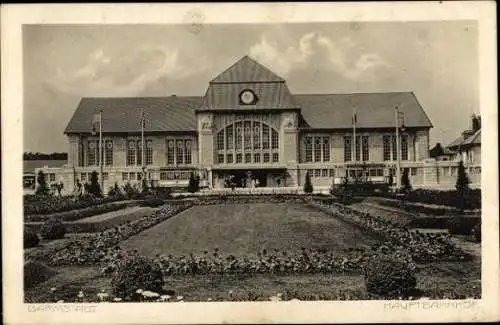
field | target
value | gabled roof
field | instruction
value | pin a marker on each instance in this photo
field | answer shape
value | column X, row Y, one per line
column 471, row 140
column 373, row 110
column 247, row 70
column 438, row 150
column 272, row 95
column 162, row 114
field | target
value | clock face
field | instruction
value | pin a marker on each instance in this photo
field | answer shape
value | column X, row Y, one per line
column 247, row 97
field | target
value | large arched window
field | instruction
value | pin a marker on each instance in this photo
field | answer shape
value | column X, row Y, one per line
column 246, row 142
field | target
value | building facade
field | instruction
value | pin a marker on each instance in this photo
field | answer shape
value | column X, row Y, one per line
column 250, row 130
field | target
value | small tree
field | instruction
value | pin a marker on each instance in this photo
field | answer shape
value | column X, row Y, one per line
column 462, row 186
column 95, row 187
column 405, row 180
column 193, row 185
column 308, row 187
column 43, row 188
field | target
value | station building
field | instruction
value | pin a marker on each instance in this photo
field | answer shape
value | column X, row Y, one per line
column 249, row 128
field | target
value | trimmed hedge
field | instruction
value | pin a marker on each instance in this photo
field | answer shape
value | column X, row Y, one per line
column 53, row 229
column 36, row 205
column 74, row 215
column 152, row 203
column 446, row 198
column 462, row 225
column 390, row 277
column 30, row 239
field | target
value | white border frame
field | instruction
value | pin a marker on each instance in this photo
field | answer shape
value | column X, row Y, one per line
column 13, row 16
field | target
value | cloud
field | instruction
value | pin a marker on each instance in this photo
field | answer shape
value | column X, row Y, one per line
column 342, row 56
column 124, row 74
column 267, row 52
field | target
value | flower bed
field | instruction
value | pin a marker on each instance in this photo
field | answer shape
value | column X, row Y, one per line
column 422, row 247
column 37, row 205
column 89, row 249
column 444, row 198
column 82, row 213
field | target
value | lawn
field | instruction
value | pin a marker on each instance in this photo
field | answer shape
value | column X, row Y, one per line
column 245, row 229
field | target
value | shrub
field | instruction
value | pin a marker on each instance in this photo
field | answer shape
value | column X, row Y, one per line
column 30, row 239
column 390, row 277
column 132, row 192
column 95, row 187
column 405, row 181
column 308, row 187
column 462, row 225
column 136, row 272
column 35, row 273
column 42, row 188
column 152, row 203
column 476, row 231
column 53, row 229
column 194, row 183
column 114, row 191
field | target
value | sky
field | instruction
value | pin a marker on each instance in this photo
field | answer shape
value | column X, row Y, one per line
column 438, row 61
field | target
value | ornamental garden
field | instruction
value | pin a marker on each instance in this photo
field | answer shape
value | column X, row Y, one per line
column 152, row 245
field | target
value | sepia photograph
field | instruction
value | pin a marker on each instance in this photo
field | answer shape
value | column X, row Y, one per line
column 278, row 161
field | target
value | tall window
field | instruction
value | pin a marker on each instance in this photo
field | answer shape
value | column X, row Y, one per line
column 250, row 138
column 108, row 154
column 256, row 135
column 365, row 148
column 390, row 147
column 180, row 151
column 81, row 155
column 248, row 135
column 387, row 147
column 394, row 148
column 220, row 141
column 265, row 137
column 326, row 149
column 187, row 152
column 149, row 152
column 229, row 137
column 139, row 152
column 170, row 152
column 274, row 139
column 347, row 148
column 358, row 148
column 309, row 149
column 239, row 135
column 317, row 149
column 91, row 153
column 131, row 152
column 404, row 147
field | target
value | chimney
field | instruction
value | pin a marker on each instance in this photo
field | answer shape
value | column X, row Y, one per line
column 476, row 123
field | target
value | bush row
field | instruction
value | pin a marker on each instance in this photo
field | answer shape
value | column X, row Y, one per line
column 422, row 247
column 36, row 205
column 447, row 198
column 74, row 215
column 416, row 208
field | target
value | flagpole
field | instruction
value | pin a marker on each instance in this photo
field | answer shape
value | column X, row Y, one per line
column 142, row 145
column 100, row 153
column 354, row 118
column 398, row 167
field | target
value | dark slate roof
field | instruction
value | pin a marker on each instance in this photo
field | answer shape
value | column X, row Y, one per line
column 162, row 114
column 473, row 139
column 439, row 150
column 247, row 70
column 319, row 111
column 227, row 96
column 374, row 110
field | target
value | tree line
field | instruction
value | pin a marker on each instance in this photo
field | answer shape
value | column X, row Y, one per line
column 45, row 156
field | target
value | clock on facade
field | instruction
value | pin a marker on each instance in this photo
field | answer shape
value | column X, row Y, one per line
column 247, row 97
